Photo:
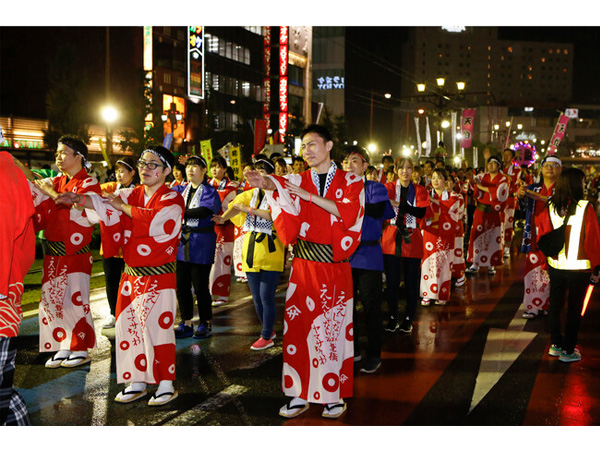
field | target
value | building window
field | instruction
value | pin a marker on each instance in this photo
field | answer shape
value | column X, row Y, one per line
column 167, row 78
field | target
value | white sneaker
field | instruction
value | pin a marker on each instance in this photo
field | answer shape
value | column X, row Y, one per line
column 461, row 281
column 492, row 271
column 507, row 252
column 472, row 269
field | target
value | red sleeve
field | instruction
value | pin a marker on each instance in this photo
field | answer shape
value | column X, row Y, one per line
column 592, row 236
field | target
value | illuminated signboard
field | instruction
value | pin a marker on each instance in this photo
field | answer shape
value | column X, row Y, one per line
column 330, row 83
column 147, row 48
column 196, row 62
column 267, row 83
column 283, row 81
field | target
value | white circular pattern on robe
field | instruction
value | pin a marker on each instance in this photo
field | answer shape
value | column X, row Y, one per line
column 116, row 237
column 291, row 349
column 126, row 289
column 127, row 235
column 91, row 260
column 169, row 196
column 479, row 227
column 144, row 249
column 76, row 238
column 429, row 246
column 172, row 369
column 447, row 226
column 339, row 193
column 89, row 182
column 285, row 326
column 346, row 242
column 310, row 303
column 533, row 258
column 157, row 227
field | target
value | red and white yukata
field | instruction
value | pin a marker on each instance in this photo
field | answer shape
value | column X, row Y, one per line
column 220, row 273
column 65, row 317
column 485, row 244
column 147, row 302
column 438, row 245
column 458, row 260
column 536, row 295
column 318, row 347
column 510, row 206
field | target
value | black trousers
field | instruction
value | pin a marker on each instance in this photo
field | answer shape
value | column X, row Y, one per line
column 113, row 269
column 411, row 269
column 576, row 283
column 193, row 275
column 368, row 289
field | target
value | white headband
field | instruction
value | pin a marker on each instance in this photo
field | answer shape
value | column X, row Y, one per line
column 551, row 158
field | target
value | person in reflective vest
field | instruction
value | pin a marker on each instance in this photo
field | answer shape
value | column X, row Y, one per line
column 571, row 269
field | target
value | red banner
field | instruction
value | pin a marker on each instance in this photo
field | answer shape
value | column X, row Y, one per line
column 260, row 134
column 559, row 132
column 468, row 122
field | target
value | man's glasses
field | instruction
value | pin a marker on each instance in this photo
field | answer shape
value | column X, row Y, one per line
column 551, row 166
column 151, row 165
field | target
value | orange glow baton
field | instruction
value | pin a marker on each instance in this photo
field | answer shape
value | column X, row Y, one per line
column 588, row 294
column 586, row 300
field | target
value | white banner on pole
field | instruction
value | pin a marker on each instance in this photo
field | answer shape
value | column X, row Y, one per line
column 475, row 158
column 427, row 136
column 418, row 137
column 453, row 115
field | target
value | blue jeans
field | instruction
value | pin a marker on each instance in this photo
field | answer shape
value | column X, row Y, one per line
column 263, row 285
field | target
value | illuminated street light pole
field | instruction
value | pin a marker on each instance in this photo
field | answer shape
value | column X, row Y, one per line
column 110, row 116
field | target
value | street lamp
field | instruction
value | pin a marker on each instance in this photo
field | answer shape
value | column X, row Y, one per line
column 110, row 116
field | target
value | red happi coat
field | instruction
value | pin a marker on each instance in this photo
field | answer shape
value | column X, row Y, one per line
column 511, row 204
column 485, row 244
column 388, row 240
column 65, row 317
column 17, row 243
column 458, row 266
column 146, row 305
column 318, row 349
column 439, row 231
column 220, row 273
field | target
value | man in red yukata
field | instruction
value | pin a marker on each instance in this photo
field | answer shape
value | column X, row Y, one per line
column 66, row 325
column 145, row 221
column 321, row 213
column 17, row 253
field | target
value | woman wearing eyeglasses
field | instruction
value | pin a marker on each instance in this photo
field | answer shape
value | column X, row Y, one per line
column 145, row 222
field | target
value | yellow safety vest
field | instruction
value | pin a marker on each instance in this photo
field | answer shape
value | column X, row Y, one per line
column 568, row 260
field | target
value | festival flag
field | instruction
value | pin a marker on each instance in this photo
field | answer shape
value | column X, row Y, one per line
column 453, row 119
column 206, row 151
column 427, row 136
column 168, row 140
column 235, row 161
column 559, row 133
column 260, row 134
column 418, row 137
column 467, row 126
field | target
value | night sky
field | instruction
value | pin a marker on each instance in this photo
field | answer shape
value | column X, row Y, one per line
column 25, row 53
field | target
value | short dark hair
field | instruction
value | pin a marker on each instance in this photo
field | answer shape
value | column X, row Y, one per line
column 441, row 171
column 265, row 164
column 351, row 149
column 76, row 143
column 317, row 129
column 387, row 158
column 297, row 158
column 218, row 161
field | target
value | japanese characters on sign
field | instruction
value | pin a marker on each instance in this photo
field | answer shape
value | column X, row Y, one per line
column 283, row 82
column 559, row 133
column 328, row 83
column 267, row 81
column 196, row 62
column 468, row 123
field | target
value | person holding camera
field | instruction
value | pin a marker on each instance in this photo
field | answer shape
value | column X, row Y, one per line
column 402, row 244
